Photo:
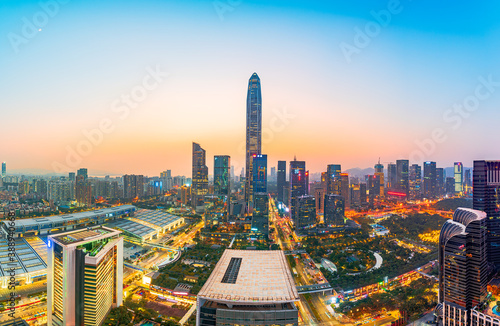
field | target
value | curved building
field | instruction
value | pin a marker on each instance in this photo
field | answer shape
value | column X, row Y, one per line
column 464, row 271
column 249, row 287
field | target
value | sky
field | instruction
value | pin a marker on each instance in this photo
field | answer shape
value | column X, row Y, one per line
column 125, row 87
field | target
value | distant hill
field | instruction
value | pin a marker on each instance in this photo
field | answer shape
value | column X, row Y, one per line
column 360, row 173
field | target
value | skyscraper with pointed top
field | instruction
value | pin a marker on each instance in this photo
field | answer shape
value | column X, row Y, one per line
column 253, row 131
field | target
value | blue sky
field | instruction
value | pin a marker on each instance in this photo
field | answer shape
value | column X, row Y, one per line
column 390, row 96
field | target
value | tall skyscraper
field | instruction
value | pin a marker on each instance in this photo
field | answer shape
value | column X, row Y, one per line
column 83, row 191
column 4, row 169
column 415, row 181
column 199, row 186
column 222, row 173
column 344, row 188
column 392, row 179
column 259, row 173
column 379, row 175
column 429, row 186
column 133, row 186
column 83, row 172
column 463, row 265
column 334, row 210
column 72, row 176
column 305, row 217
column 485, row 197
column 440, row 178
column 402, row 176
column 273, row 173
column 260, row 213
column 298, row 184
column 281, row 180
column 253, row 130
column 450, row 186
column 84, row 276
column 333, row 182
column 468, row 181
column 459, row 178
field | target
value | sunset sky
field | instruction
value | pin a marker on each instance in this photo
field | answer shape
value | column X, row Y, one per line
column 66, row 76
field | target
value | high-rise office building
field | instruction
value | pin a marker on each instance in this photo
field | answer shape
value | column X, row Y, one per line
column 281, row 181
column 273, row 173
column 4, row 169
column 83, row 172
column 260, row 213
column 440, row 179
column 259, row 173
column 133, row 186
column 199, row 187
column 166, row 178
column 450, row 186
column 392, row 178
column 253, row 130
column 72, row 176
column 362, row 194
column 402, row 176
column 459, row 178
column 333, row 182
column 485, row 197
column 222, row 173
column 430, row 178
column 298, row 184
column 84, row 276
column 415, row 181
column 464, row 271
column 468, row 181
column 344, row 188
column 83, row 191
column 379, row 176
column 305, row 216
column 334, row 210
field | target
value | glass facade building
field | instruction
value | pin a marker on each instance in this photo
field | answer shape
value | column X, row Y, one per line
column 402, row 176
column 334, row 211
column 222, row 173
column 260, row 215
column 486, row 197
column 430, row 177
column 259, row 173
column 459, row 177
column 298, row 184
column 253, row 130
column 199, row 187
column 306, row 212
column 463, row 262
column 281, row 181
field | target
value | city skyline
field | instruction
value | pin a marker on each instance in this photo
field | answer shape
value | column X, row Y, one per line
column 304, row 77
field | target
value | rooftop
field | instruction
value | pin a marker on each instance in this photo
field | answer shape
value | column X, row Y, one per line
column 84, row 235
column 108, row 212
column 252, row 277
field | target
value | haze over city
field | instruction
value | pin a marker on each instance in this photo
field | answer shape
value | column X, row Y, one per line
column 324, row 98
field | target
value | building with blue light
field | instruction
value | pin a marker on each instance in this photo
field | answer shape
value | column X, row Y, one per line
column 259, row 173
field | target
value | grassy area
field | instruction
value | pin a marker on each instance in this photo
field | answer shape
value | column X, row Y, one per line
column 175, row 273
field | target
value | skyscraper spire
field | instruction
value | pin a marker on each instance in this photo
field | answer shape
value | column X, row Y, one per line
column 253, row 130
